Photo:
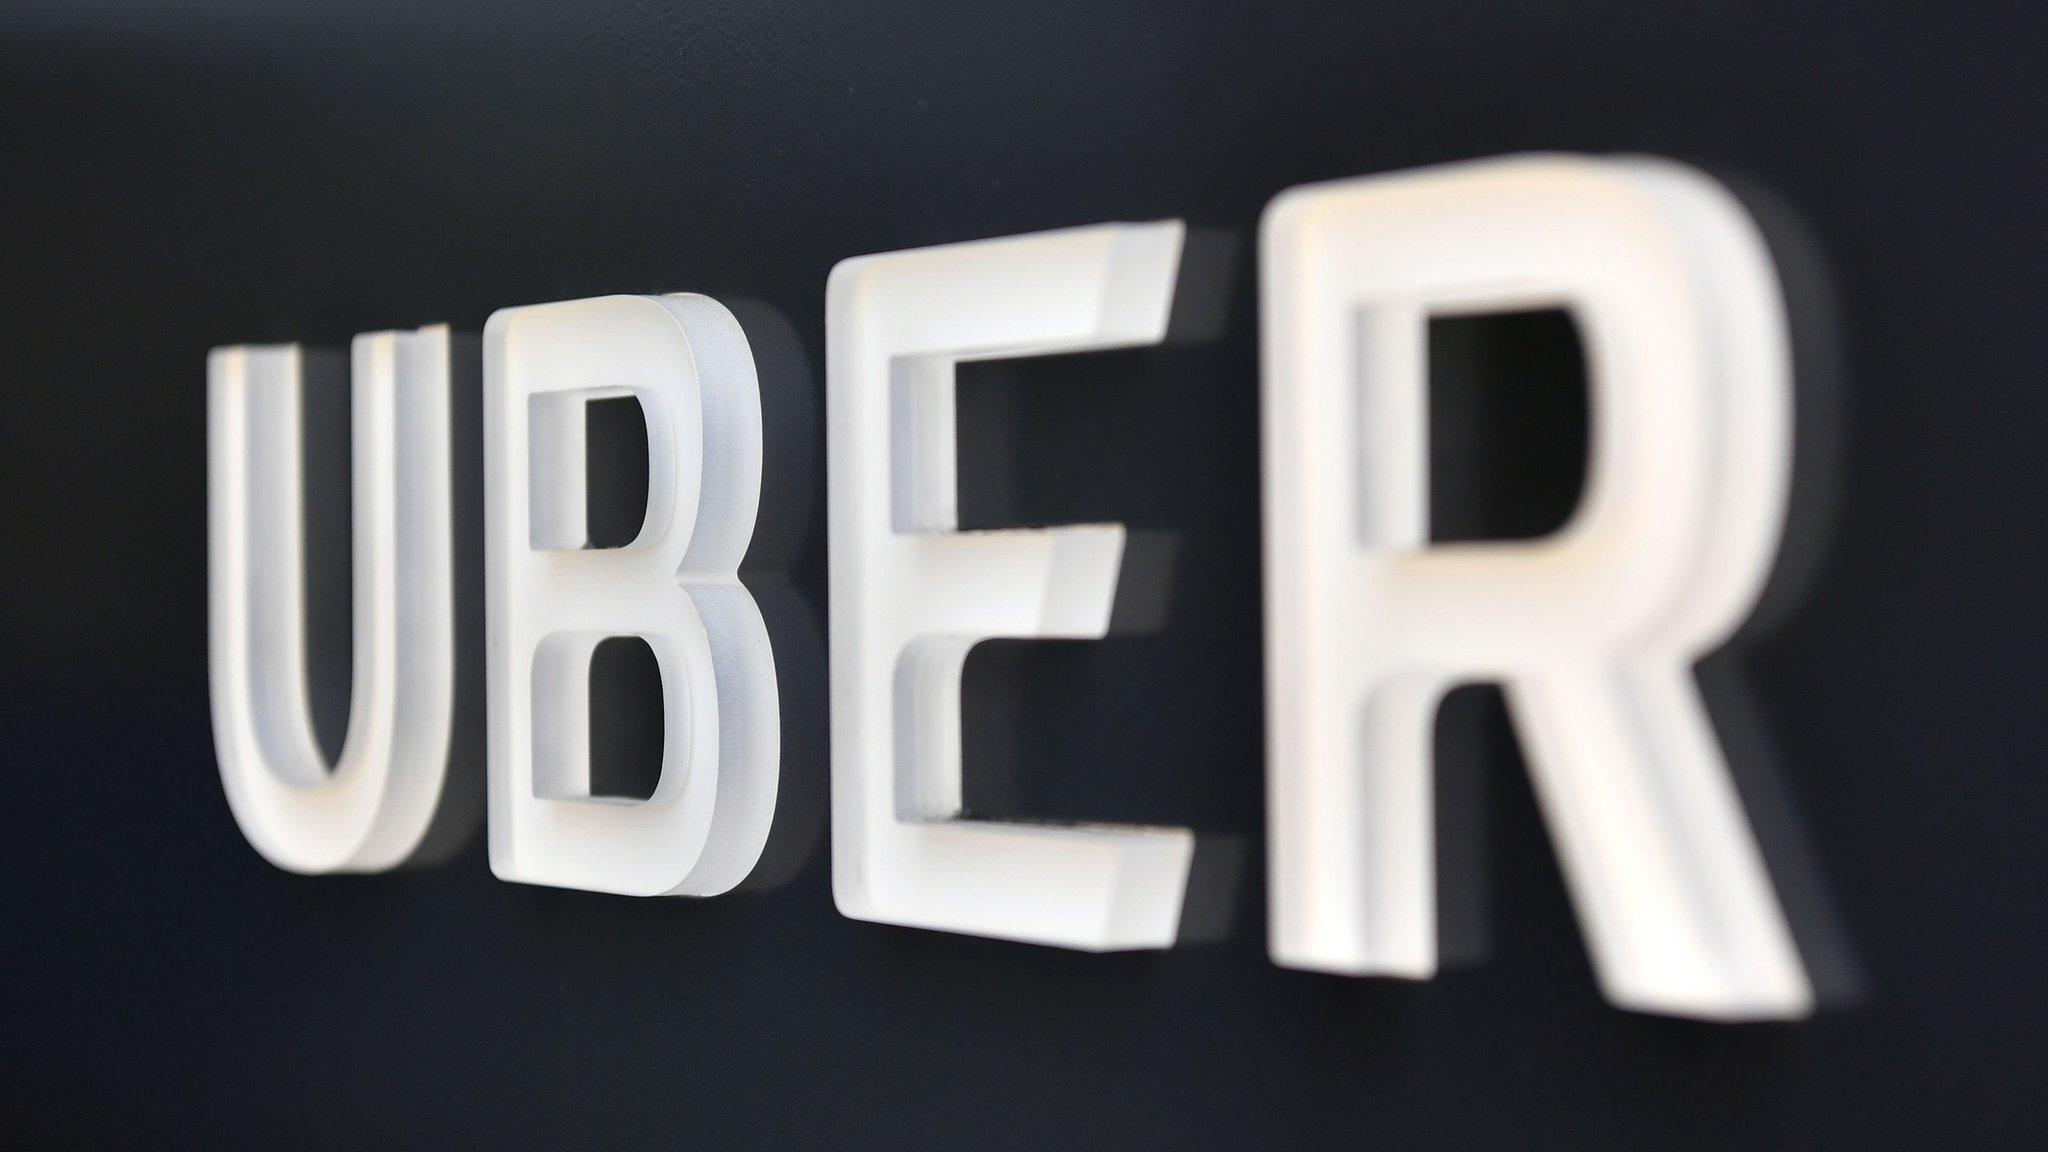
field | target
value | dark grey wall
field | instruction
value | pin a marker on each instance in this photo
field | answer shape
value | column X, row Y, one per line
column 173, row 180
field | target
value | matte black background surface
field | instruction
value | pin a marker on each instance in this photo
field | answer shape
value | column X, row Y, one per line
column 175, row 178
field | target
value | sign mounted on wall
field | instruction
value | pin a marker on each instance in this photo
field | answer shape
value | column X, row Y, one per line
column 1593, row 631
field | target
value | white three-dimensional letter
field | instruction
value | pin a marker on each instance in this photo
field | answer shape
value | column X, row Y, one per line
column 1593, row 631
column 371, row 812
column 550, row 600
column 911, row 596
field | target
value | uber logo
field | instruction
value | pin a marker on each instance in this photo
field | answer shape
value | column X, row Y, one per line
column 1592, row 631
